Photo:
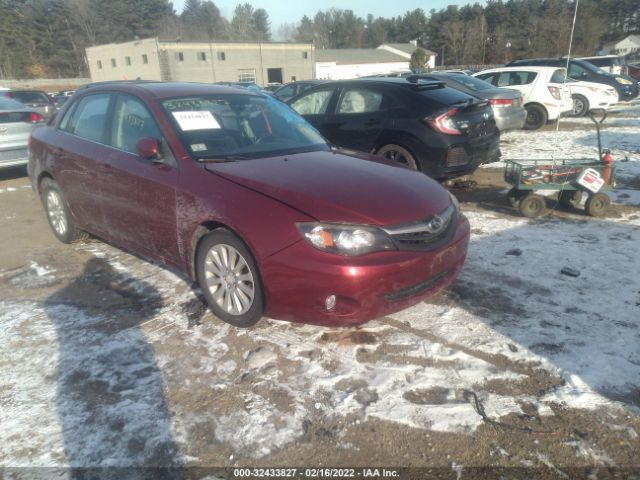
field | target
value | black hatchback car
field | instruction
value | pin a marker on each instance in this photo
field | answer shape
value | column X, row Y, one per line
column 425, row 125
column 626, row 87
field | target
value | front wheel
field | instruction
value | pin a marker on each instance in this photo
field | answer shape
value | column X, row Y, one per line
column 536, row 117
column 398, row 154
column 58, row 214
column 229, row 278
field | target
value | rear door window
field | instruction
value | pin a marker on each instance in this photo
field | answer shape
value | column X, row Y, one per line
column 89, row 118
column 286, row 92
column 507, row 79
column 488, row 77
column 557, row 77
column 360, row 100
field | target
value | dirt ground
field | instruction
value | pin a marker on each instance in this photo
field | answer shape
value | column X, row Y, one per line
column 111, row 361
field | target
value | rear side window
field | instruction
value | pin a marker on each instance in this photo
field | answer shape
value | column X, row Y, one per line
column 314, row 103
column 89, row 118
column 286, row 92
column 488, row 77
column 507, row 79
column 557, row 77
column 360, row 100
column 30, row 97
column 472, row 83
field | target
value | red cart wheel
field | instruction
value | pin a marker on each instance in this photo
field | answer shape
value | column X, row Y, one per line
column 597, row 204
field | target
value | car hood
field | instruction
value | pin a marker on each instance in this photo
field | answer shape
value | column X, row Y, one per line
column 333, row 186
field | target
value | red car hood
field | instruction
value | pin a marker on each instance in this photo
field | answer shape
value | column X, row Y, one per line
column 335, row 187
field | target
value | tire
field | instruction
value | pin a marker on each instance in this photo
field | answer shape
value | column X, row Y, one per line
column 514, row 196
column 597, row 204
column 229, row 278
column 532, row 205
column 569, row 199
column 580, row 106
column 536, row 117
column 60, row 219
column 398, row 154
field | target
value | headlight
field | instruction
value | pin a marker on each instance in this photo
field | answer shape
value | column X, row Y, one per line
column 348, row 240
column 623, row 81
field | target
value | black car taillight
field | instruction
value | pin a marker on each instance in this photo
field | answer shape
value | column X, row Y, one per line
column 444, row 123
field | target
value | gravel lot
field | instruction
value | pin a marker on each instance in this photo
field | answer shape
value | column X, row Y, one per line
column 107, row 360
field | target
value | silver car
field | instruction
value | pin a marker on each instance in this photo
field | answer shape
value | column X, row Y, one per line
column 16, row 123
column 506, row 103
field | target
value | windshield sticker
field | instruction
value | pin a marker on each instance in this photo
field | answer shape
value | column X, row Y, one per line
column 196, row 120
column 198, row 147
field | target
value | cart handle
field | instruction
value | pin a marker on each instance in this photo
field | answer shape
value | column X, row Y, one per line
column 597, row 124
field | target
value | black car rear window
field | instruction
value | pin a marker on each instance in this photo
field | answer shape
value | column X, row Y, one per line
column 30, row 97
column 442, row 96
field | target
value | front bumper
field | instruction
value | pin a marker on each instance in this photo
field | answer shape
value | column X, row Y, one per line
column 298, row 280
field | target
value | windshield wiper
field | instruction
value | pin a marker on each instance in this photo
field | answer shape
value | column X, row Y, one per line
column 228, row 158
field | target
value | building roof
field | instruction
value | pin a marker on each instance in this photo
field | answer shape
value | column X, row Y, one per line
column 348, row 56
column 407, row 48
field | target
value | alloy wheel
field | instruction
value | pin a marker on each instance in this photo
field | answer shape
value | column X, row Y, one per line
column 56, row 213
column 229, row 279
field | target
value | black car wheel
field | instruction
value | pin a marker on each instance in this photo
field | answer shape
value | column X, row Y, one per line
column 536, row 117
column 580, row 106
column 398, row 154
column 597, row 204
column 229, row 279
column 58, row 214
column 532, row 205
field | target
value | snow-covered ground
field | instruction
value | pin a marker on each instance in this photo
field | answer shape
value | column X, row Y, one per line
column 141, row 376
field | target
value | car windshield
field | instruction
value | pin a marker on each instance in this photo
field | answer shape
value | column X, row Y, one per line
column 472, row 83
column 592, row 68
column 240, row 127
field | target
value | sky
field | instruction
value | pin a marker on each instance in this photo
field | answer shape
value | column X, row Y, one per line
column 281, row 11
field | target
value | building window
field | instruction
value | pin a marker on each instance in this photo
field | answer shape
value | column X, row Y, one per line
column 113, row 63
column 99, row 65
column 221, row 56
column 145, row 59
column 202, row 56
column 127, row 61
column 247, row 75
column 180, row 56
column 305, row 55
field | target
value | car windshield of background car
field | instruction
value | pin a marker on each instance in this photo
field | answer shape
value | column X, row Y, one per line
column 240, row 127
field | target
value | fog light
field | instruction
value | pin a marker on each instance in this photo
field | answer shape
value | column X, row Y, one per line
column 330, row 302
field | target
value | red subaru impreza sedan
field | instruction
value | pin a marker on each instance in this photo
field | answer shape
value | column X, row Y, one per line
column 236, row 190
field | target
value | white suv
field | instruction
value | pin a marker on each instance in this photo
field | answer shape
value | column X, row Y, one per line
column 544, row 92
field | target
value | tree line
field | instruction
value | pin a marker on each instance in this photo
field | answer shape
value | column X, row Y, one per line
column 47, row 38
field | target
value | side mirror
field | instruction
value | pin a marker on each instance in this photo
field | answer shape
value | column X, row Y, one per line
column 148, row 148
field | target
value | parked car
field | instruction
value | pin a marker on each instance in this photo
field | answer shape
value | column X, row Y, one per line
column 292, row 89
column 272, row 87
column 543, row 90
column 238, row 191
column 254, row 87
column 507, row 105
column 60, row 100
column 16, row 123
column 426, row 126
column 589, row 95
column 582, row 70
column 609, row 63
column 34, row 99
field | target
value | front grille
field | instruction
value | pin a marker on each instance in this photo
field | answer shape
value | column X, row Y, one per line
column 424, row 234
column 415, row 289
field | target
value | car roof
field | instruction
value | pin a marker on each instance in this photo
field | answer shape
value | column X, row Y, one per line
column 162, row 90
column 538, row 68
